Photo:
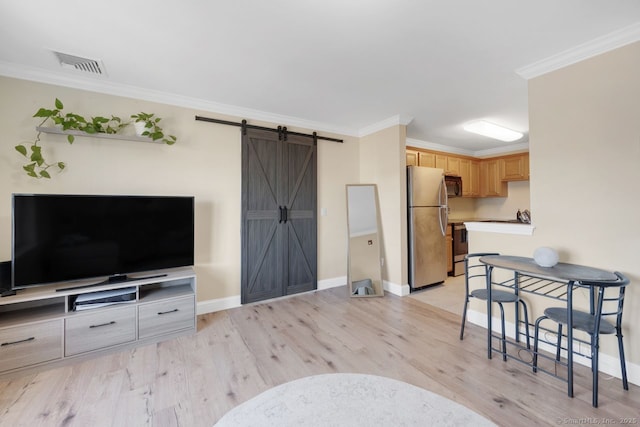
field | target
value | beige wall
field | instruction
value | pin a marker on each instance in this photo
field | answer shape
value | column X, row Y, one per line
column 505, row 207
column 585, row 174
column 383, row 162
column 204, row 163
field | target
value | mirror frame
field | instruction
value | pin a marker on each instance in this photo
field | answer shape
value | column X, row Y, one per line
column 377, row 282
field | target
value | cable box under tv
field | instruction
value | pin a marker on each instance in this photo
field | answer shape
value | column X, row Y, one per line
column 103, row 298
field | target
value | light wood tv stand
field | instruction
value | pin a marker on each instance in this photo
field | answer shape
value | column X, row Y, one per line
column 40, row 329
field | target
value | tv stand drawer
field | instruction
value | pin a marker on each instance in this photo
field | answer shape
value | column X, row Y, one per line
column 92, row 331
column 166, row 316
column 30, row 344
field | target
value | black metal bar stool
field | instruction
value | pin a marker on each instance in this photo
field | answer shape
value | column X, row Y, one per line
column 473, row 270
column 606, row 304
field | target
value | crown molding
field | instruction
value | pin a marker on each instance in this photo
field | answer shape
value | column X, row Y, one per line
column 438, row 147
column 523, row 146
column 75, row 81
column 396, row 120
column 613, row 40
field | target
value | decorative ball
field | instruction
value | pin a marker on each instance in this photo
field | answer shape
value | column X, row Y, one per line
column 545, row 257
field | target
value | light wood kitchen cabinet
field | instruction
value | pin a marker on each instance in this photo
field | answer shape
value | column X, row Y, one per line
column 470, row 173
column 474, row 179
column 449, row 164
column 427, row 159
column 421, row 158
column 465, row 174
column 514, row 168
column 480, row 177
column 412, row 157
column 490, row 183
column 453, row 166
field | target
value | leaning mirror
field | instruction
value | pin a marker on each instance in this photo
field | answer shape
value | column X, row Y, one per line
column 365, row 255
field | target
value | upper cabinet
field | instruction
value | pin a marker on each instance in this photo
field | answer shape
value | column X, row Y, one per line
column 490, row 183
column 453, row 166
column 470, row 174
column 514, row 168
column 412, row 157
column 480, row 177
column 420, row 158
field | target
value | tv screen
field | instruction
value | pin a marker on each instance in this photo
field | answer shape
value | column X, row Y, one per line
column 58, row 238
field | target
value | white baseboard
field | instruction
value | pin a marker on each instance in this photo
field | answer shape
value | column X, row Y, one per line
column 219, row 304
column 394, row 288
column 212, row 305
column 332, row 283
column 607, row 364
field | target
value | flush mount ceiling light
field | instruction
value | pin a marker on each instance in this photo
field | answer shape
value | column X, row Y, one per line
column 484, row 128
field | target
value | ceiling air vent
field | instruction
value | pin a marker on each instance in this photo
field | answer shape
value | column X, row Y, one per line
column 81, row 64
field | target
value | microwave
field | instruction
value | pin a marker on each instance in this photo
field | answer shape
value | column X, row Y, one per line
column 454, row 185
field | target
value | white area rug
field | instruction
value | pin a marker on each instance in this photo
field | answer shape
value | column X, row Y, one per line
column 350, row 400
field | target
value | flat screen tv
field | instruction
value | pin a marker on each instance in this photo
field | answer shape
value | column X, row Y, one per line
column 59, row 238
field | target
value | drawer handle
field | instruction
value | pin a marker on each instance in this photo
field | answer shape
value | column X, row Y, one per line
column 4, row 344
column 160, row 313
column 113, row 322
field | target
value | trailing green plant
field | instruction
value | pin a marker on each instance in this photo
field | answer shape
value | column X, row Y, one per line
column 152, row 129
column 38, row 167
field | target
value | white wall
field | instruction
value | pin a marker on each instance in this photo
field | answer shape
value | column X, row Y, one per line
column 383, row 162
column 585, row 179
column 204, row 163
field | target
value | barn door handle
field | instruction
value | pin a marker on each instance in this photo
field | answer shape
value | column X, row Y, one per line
column 286, row 214
column 281, row 215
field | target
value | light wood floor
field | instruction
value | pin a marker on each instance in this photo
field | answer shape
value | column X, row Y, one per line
column 238, row 353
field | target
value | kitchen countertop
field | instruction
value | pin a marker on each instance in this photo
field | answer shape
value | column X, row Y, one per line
column 500, row 227
column 494, row 225
column 496, row 220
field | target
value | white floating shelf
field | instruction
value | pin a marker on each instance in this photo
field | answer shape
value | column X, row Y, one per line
column 59, row 131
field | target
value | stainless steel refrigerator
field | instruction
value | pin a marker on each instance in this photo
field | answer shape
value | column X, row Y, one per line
column 427, row 225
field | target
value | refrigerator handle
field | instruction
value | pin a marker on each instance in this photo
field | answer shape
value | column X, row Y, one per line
column 443, row 224
column 442, row 194
column 442, row 191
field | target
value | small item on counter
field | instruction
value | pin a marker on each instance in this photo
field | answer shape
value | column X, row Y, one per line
column 519, row 216
column 545, row 256
column 526, row 216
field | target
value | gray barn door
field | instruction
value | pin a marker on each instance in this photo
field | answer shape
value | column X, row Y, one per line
column 279, row 239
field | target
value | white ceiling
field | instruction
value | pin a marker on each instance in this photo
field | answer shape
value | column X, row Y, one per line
column 346, row 66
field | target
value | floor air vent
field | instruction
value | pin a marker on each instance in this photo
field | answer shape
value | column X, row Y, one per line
column 81, row 64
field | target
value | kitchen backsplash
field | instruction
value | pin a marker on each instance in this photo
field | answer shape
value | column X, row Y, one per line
column 493, row 207
column 462, row 207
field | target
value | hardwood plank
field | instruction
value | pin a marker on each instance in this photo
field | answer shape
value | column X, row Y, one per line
column 236, row 354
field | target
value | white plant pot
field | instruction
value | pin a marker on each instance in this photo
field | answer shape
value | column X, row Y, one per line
column 140, row 127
